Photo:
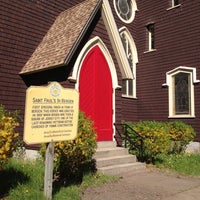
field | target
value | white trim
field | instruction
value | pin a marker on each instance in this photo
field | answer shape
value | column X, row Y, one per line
column 135, row 60
column 181, row 68
column 150, row 34
column 148, row 51
column 172, row 5
column 133, row 8
column 115, row 39
column 89, row 45
column 133, row 45
column 169, row 76
column 78, row 64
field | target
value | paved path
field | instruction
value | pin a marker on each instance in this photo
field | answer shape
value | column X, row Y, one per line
column 150, row 185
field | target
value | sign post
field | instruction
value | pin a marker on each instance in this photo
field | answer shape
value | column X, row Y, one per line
column 48, row 175
column 51, row 114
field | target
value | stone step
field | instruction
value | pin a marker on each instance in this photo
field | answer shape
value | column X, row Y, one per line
column 106, row 144
column 110, row 151
column 115, row 160
column 137, row 167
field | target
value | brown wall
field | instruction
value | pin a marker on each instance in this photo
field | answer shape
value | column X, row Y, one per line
column 177, row 43
column 24, row 23
column 22, row 26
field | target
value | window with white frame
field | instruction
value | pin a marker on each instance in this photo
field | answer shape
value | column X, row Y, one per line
column 129, row 86
column 151, row 37
column 125, row 9
column 181, row 92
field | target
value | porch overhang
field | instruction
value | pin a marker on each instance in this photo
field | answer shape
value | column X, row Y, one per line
column 63, row 38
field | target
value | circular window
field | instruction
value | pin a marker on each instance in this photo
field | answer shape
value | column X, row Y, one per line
column 125, row 9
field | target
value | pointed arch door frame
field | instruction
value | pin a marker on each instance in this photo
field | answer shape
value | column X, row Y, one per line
column 78, row 64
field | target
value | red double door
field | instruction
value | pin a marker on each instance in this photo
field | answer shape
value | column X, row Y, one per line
column 95, row 87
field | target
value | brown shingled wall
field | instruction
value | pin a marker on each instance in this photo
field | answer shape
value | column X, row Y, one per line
column 177, row 43
column 24, row 23
column 22, row 26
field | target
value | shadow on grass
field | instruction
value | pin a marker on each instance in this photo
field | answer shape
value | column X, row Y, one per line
column 76, row 178
column 10, row 178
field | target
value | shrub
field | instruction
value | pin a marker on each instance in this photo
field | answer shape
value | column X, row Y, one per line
column 155, row 139
column 160, row 138
column 8, row 123
column 72, row 156
column 181, row 134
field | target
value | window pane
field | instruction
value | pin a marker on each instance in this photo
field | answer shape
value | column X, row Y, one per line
column 151, row 36
column 130, row 87
column 182, row 93
column 127, row 85
column 124, row 87
column 124, row 8
column 176, row 2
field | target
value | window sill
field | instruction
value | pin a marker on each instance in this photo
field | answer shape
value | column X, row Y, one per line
column 152, row 50
column 181, row 116
column 128, row 97
column 177, row 6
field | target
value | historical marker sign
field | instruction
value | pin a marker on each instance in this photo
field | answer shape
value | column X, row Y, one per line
column 51, row 114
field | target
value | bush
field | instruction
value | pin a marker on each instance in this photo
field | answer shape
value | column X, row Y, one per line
column 72, row 156
column 155, row 139
column 160, row 138
column 8, row 123
column 181, row 134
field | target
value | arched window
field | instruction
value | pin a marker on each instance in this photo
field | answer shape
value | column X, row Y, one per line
column 129, row 86
column 181, row 92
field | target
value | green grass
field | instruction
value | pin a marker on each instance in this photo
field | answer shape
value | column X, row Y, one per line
column 24, row 180
column 186, row 164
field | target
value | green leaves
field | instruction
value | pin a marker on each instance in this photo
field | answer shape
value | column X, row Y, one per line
column 71, row 156
column 161, row 138
column 8, row 123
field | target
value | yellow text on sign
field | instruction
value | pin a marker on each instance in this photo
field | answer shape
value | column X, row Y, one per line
column 51, row 114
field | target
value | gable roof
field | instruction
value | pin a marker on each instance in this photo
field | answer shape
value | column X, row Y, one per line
column 62, row 39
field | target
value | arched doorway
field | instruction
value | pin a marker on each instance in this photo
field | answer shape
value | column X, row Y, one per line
column 95, row 87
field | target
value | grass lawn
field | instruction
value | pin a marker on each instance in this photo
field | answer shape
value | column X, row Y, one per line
column 186, row 164
column 24, row 180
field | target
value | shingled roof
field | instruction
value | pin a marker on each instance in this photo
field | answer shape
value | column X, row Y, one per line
column 62, row 39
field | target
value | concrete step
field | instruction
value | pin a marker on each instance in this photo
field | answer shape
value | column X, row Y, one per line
column 106, row 144
column 137, row 167
column 110, row 151
column 115, row 160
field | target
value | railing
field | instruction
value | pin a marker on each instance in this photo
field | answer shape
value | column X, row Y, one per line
column 126, row 136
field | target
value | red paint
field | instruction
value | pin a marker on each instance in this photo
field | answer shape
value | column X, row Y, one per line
column 95, row 87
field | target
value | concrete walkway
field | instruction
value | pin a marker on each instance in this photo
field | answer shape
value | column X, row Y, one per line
column 150, row 185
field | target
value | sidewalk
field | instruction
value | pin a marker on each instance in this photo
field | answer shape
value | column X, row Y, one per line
column 151, row 185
